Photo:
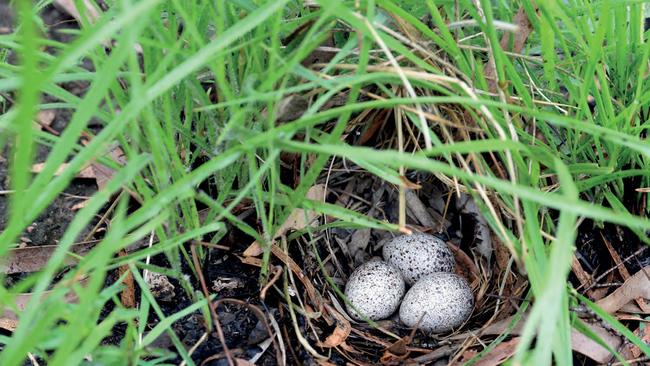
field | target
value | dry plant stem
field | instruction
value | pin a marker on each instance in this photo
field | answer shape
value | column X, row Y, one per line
column 277, row 271
column 513, row 133
column 220, row 355
column 402, row 189
column 211, row 305
column 421, row 49
column 32, row 359
column 638, row 360
column 306, row 313
column 145, row 273
column 429, row 116
column 294, row 321
column 260, row 316
column 279, row 335
column 407, row 84
column 195, row 346
column 211, row 245
column 103, row 218
column 627, row 259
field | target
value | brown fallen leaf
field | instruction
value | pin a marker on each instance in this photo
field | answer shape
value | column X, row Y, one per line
column 465, row 267
column 86, row 173
column 357, row 246
column 297, row 220
column 579, row 342
column 622, row 270
column 104, row 174
column 497, row 356
column 637, row 286
column 127, row 297
column 92, row 14
column 23, row 299
column 32, row 259
column 44, row 119
column 418, row 209
column 80, row 205
column 583, row 277
column 70, row 7
column 633, row 351
column 525, row 28
column 313, row 295
column 375, row 125
column 340, row 333
column 399, row 351
column 588, row 347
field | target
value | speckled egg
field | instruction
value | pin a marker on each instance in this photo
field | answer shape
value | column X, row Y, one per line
column 444, row 299
column 418, row 255
column 375, row 290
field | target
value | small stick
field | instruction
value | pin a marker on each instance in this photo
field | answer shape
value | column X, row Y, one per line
column 211, row 305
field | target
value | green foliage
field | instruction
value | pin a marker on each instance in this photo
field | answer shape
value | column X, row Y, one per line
column 198, row 106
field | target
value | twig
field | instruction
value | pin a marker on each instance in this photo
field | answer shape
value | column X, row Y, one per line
column 195, row 346
column 276, row 274
column 628, row 258
column 211, row 305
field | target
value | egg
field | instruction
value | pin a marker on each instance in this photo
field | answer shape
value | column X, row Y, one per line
column 375, row 289
column 443, row 300
column 418, row 255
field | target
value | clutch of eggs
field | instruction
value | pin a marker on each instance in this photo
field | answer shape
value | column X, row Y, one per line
column 438, row 300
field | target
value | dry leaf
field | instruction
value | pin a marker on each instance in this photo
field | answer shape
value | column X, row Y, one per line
column 482, row 231
column 87, row 172
column 499, row 354
column 637, row 286
column 297, row 220
column 525, row 27
column 104, row 174
column 32, row 259
column 622, row 269
column 45, row 117
column 466, row 267
column 588, row 347
column 242, row 362
column 91, row 13
column 80, row 205
column 70, row 7
column 23, row 299
column 358, row 243
column 418, row 209
column 579, row 342
column 127, row 296
column 341, row 332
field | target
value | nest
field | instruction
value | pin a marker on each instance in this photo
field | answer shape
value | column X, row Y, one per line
column 313, row 255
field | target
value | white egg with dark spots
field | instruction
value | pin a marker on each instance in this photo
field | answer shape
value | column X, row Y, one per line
column 418, row 255
column 375, row 289
column 443, row 300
